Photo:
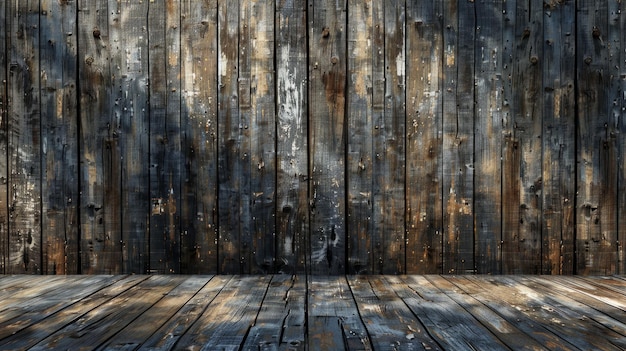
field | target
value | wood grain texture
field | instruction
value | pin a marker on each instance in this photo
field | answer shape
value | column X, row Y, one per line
column 596, row 201
column 389, row 130
column 488, row 137
column 165, row 135
column 199, row 110
column 423, row 137
column 4, row 140
column 259, row 119
column 359, row 116
column 292, row 205
column 232, row 159
column 59, row 102
column 621, row 167
column 559, row 145
column 327, row 135
column 458, row 137
column 24, row 138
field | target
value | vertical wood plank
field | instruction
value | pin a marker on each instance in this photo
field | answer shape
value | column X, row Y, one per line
column 4, row 150
column 559, row 143
column 327, row 135
column 96, row 142
column 621, row 168
column 389, row 133
column 359, row 144
column 596, row 200
column 292, row 212
column 260, row 127
column 424, row 127
column 231, row 160
column 522, row 156
column 165, row 153
column 58, row 53
column 488, row 136
column 199, row 127
column 24, row 139
column 132, row 78
column 458, row 136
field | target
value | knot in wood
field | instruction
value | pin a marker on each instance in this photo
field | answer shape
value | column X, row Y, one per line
column 596, row 32
column 96, row 33
column 325, row 32
column 334, row 60
column 534, row 60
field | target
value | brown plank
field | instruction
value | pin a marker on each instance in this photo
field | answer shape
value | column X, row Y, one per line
column 4, row 140
column 522, row 156
column 175, row 327
column 99, row 324
column 165, row 137
column 359, row 115
column 259, row 122
column 231, row 159
column 292, row 212
column 33, row 334
column 488, row 137
column 596, row 156
column 389, row 322
column 621, row 149
column 610, row 282
column 458, row 136
column 389, row 149
column 332, row 321
column 280, row 314
column 327, row 135
column 198, row 206
column 558, row 141
column 134, row 128
column 24, row 138
column 145, row 325
column 59, row 101
column 451, row 326
column 423, row 140
column 99, row 224
column 563, row 323
column 226, row 321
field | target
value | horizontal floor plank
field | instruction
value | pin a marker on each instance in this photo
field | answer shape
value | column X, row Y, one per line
column 291, row 312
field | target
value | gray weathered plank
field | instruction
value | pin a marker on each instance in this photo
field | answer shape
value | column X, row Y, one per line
column 24, row 138
column 99, row 324
column 164, row 135
column 596, row 217
column 59, row 101
column 327, row 135
column 389, row 322
column 458, row 137
column 292, row 205
column 232, row 159
column 4, row 140
column 170, row 333
column 259, row 119
column 98, row 142
column 199, row 107
column 333, row 322
column 132, row 81
column 389, row 149
column 33, row 334
column 522, row 155
column 423, row 139
column 226, row 322
column 149, row 322
column 488, row 136
column 359, row 115
column 559, row 161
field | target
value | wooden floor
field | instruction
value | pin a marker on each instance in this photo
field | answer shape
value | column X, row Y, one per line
column 284, row 312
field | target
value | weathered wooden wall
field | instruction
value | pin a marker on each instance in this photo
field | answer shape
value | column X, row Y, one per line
column 318, row 136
